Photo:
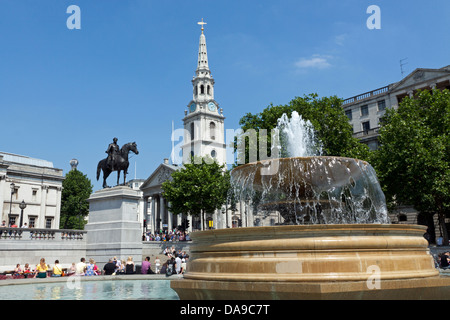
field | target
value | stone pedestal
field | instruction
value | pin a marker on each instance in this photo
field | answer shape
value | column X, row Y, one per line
column 113, row 228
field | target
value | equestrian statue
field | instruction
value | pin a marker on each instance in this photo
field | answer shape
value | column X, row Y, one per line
column 117, row 160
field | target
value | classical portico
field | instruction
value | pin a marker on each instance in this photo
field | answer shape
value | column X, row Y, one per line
column 156, row 210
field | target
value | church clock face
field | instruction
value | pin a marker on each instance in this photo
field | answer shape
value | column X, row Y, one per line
column 192, row 107
column 212, row 107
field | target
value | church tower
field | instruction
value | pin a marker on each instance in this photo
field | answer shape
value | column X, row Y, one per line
column 204, row 120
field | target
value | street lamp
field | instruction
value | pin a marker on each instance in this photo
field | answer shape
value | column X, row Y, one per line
column 13, row 188
column 22, row 206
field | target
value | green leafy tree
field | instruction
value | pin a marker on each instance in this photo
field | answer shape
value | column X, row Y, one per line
column 77, row 188
column 325, row 114
column 199, row 187
column 412, row 162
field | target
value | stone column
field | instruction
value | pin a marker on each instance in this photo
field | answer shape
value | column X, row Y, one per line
column 58, row 207
column 41, row 218
column 229, row 219
column 2, row 191
column 153, row 214
column 178, row 219
column 161, row 210
column 215, row 218
column 189, row 217
column 169, row 220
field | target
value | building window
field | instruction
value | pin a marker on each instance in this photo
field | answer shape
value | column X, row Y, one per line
column 208, row 90
column 212, row 130
column 213, row 153
column 202, row 89
column 381, row 105
column 32, row 222
column 34, row 194
column 348, row 113
column 192, row 131
column 48, row 223
column 12, row 220
column 366, row 126
column 364, row 110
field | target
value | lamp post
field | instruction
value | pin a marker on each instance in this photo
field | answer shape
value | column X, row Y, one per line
column 22, row 206
column 13, row 188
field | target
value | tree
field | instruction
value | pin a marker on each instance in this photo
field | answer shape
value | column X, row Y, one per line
column 74, row 206
column 325, row 114
column 412, row 162
column 199, row 187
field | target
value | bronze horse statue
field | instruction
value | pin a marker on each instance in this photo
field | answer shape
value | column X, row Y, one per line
column 121, row 163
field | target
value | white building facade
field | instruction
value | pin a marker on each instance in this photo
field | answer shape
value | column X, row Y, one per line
column 366, row 110
column 34, row 182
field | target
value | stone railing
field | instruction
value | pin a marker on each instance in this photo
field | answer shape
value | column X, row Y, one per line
column 41, row 234
column 366, row 95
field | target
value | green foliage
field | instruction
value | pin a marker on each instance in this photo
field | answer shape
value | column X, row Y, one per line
column 77, row 188
column 326, row 115
column 199, row 187
column 412, row 162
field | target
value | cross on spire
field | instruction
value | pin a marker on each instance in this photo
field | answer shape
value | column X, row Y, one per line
column 202, row 24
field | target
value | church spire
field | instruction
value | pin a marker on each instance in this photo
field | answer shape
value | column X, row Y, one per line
column 202, row 65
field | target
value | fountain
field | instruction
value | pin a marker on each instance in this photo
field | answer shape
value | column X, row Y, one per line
column 336, row 241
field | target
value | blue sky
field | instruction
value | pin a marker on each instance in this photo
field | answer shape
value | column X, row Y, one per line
column 127, row 72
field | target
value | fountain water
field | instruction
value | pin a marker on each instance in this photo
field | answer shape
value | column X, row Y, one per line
column 308, row 188
column 298, row 137
column 337, row 242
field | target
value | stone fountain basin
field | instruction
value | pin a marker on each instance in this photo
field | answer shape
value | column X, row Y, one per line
column 300, row 262
column 311, row 253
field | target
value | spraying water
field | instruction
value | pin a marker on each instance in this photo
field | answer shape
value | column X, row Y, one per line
column 298, row 137
column 308, row 188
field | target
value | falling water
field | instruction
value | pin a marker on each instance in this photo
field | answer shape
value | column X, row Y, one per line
column 298, row 137
column 307, row 188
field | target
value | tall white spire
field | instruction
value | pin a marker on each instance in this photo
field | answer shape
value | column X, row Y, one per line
column 204, row 120
column 202, row 65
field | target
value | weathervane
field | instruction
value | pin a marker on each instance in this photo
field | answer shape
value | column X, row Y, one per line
column 202, row 24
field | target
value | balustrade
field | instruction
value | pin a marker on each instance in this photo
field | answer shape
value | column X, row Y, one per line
column 366, row 95
column 41, row 234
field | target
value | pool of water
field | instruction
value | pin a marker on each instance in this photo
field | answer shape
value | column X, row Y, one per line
column 91, row 290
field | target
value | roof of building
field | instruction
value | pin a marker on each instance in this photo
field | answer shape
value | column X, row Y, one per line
column 15, row 158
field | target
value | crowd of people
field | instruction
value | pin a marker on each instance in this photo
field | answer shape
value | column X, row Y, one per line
column 174, row 263
column 166, row 235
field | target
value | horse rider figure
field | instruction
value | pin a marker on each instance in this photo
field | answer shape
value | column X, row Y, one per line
column 112, row 151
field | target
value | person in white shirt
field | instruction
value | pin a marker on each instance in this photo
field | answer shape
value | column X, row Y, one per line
column 81, row 267
column 178, row 264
